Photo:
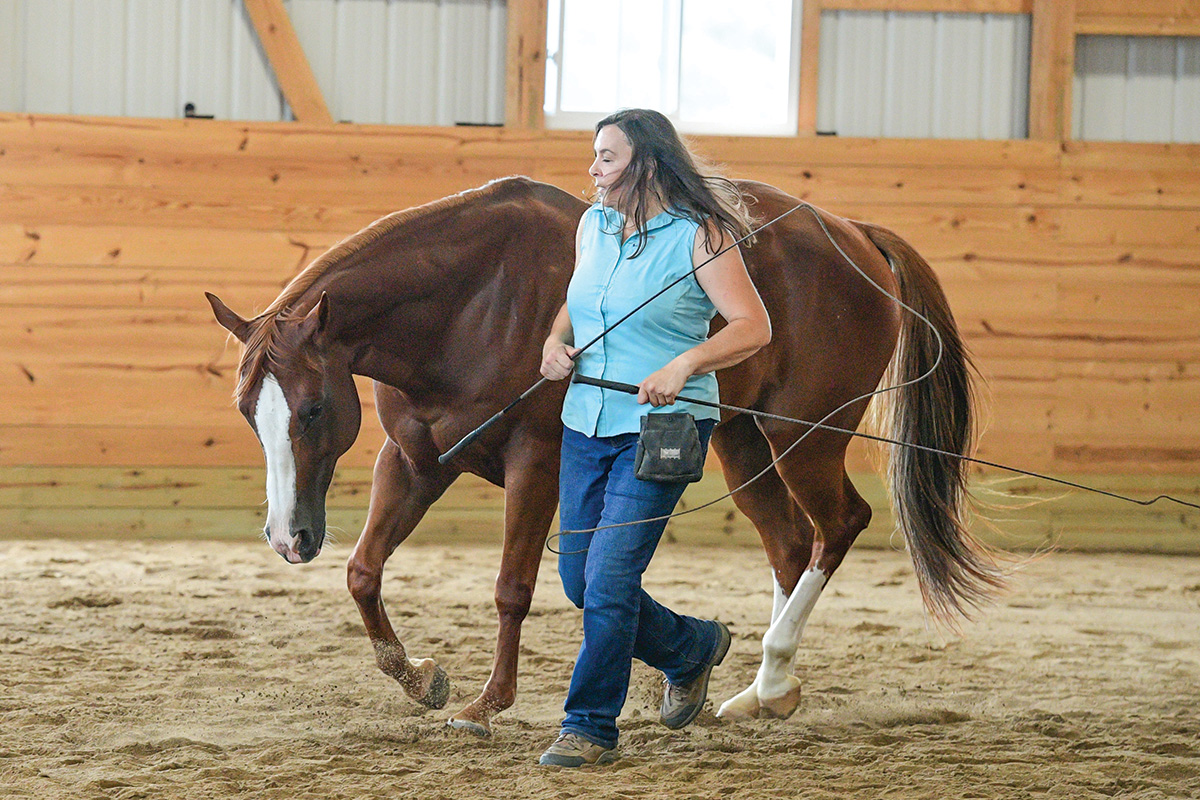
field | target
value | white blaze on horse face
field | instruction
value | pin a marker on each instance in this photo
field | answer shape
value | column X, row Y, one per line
column 271, row 419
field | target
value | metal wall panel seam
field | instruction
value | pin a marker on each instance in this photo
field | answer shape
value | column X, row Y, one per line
column 12, row 57
column 48, row 60
column 497, row 56
column 1186, row 123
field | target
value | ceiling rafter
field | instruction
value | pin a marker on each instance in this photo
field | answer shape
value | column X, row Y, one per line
column 287, row 59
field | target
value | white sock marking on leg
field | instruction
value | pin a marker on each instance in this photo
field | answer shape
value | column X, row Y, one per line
column 747, row 701
column 783, row 637
column 779, row 601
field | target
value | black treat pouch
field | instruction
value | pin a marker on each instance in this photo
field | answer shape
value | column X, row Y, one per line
column 668, row 449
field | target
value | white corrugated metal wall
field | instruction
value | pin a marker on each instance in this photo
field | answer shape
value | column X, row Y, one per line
column 433, row 62
column 924, row 75
column 133, row 58
column 1137, row 89
column 427, row 62
column 442, row 61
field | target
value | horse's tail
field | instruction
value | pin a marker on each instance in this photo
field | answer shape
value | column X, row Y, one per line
column 956, row 572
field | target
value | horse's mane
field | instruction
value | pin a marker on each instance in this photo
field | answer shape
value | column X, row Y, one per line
column 261, row 346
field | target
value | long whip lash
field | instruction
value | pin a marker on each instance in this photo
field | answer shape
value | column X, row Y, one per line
column 812, row 426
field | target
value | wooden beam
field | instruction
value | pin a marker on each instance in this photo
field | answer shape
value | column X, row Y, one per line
column 810, row 60
column 1115, row 25
column 930, row 6
column 225, row 502
column 525, row 83
column 1143, row 8
column 1051, row 69
column 287, row 59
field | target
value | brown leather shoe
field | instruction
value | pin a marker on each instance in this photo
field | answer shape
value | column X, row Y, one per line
column 572, row 750
column 682, row 704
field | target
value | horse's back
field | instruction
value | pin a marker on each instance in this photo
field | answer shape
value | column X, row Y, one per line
column 832, row 331
column 533, row 199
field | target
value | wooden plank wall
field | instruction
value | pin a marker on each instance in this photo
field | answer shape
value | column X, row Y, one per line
column 1146, row 18
column 1073, row 269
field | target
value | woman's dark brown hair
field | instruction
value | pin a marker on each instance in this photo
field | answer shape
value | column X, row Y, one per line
column 663, row 172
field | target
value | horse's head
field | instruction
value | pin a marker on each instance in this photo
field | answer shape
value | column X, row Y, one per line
column 296, row 390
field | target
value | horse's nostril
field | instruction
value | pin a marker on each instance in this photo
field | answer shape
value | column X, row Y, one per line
column 307, row 543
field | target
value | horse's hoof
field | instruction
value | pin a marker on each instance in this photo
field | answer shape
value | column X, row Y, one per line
column 727, row 711
column 470, row 726
column 741, row 706
column 784, row 706
column 439, row 690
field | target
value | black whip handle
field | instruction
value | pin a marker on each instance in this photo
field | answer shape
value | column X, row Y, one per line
column 470, row 437
column 629, row 388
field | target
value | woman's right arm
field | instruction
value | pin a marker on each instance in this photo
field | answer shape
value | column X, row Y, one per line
column 558, row 348
column 557, row 351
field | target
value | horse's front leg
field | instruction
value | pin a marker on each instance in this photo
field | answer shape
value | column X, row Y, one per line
column 530, row 497
column 399, row 498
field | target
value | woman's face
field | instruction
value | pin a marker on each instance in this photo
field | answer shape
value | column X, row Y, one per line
column 613, row 153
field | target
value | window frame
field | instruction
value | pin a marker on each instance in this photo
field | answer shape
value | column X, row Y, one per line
column 557, row 119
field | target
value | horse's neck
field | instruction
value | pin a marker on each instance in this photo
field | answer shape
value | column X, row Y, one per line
column 394, row 303
column 457, row 302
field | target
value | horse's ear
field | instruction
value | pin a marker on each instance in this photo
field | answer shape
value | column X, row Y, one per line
column 229, row 320
column 316, row 320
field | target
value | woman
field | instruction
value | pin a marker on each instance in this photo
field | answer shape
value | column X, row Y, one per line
column 657, row 217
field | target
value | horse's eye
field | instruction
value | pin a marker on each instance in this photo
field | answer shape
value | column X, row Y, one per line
column 308, row 416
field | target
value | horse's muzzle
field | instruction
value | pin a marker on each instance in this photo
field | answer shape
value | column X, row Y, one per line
column 305, row 546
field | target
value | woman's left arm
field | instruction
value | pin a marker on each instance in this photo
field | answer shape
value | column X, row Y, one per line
column 748, row 328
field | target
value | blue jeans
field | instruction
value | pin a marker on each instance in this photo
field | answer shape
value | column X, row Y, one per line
column 602, row 574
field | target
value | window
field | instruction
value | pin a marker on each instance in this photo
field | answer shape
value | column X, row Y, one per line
column 710, row 65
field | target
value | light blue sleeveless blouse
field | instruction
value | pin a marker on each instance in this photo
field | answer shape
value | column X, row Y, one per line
column 606, row 286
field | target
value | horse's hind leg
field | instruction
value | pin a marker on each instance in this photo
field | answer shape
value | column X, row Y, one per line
column 399, row 498
column 816, row 477
column 786, row 533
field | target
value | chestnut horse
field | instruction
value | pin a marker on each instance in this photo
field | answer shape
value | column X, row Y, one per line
column 446, row 307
